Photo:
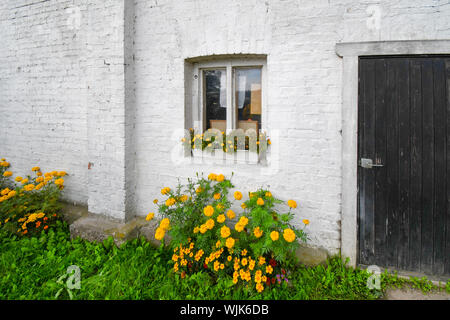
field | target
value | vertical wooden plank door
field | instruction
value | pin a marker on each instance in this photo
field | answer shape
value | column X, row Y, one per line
column 404, row 196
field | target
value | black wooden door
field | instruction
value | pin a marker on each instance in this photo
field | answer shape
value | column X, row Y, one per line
column 404, row 126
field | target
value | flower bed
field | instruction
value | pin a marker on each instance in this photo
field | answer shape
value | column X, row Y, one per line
column 31, row 204
column 254, row 248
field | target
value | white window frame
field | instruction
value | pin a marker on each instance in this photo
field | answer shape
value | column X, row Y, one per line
column 198, row 107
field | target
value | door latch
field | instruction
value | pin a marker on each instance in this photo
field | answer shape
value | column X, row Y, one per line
column 368, row 163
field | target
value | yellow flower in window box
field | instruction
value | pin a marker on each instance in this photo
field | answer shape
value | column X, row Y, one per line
column 238, row 195
column 29, row 187
column 150, row 216
column 59, row 182
column 260, row 202
column 221, row 218
column 292, row 204
column 7, row 174
column 18, row 179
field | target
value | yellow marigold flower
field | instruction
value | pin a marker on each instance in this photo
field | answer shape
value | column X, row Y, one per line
column 239, row 227
column 243, row 220
column 5, row 191
column 244, row 252
column 164, row 191
column 251, row 264
column 225, row 232
column 243, row 205
column 48, row 174
column 268, row 194
column 203, row 228
column 220, row 207
column 24, row 181
column 274, row 235
column 196, row 230
column 260, row 202
column 230, row 242
column 257, row 232
column 12, row 194
column 184, row 198
column 5, row 164
column 231, row 214
column 169, row 202
column 262, row 261
column 244, row 261
column 212, row 176
column 18, row 179
column 217, row 196
column 39, row 186
column 174, row 258
column 269, row 269
column 29, row 187
column 39, row 174
column 238, row 195
column 288, row 235
column 39, row 179
column 221, row 218
column 292, row 204
column 7, row 174
column 155, row 201
column 54, row 173
column 198, row 190
column 220, row 178
column 59, row 182
column 222, row 266
column 229, row 258
column 216, row 265
column 209, row 224
column 208, row 211
column 35, row 169
column 306, row 221
column 165, row 223
column 150, row 216
column 159, row 234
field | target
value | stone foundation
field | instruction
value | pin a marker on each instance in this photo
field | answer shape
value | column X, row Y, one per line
column 94, row 227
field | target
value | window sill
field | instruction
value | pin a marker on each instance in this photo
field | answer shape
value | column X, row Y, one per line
column 217, row 156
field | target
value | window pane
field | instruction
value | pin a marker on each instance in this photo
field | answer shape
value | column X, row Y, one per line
column 248, row 98
column 215, row 97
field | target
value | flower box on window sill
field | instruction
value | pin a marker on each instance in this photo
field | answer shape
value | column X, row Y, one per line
column 218, row 156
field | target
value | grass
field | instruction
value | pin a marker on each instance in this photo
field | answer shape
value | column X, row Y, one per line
column 34, row 268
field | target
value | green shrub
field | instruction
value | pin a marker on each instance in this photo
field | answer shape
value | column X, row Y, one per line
column 256, row 247
column 31, row 204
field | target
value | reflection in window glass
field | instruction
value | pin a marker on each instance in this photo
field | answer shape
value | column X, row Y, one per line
column 248, row 98
column 215, row 97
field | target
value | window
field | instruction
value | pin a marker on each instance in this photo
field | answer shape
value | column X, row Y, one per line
column 229, row 94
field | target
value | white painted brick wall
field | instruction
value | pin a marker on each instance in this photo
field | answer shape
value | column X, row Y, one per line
column 64, row 102
column 304, row 76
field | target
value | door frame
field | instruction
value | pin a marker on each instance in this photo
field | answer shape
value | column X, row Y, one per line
column 350, row 52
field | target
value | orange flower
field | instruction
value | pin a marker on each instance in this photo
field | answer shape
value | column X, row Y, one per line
column 45, row 227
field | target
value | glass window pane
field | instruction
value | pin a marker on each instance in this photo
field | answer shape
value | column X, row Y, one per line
column 215, row 97
column 248, row 98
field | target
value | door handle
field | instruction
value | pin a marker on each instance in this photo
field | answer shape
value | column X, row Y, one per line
column 368, row 163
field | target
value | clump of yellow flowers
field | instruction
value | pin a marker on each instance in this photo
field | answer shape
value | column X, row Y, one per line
column 21, row 196
column 207, row 233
